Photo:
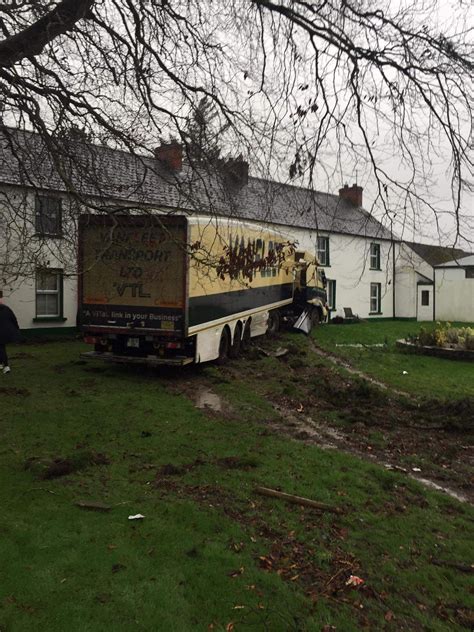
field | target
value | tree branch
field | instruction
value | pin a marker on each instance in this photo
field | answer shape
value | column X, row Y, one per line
column 33, row 39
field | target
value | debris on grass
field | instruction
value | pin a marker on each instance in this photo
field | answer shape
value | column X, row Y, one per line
column 237, row 463
column 12, row 390
column 354, row 581
column 45, row 469
column 92, row 506
column 298, row 500
column 136, row 517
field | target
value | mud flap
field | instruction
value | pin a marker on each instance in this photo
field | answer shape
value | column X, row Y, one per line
column 303, row 322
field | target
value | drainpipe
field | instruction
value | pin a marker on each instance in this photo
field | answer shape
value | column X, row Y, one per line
column 393, row 278
column 434, row 294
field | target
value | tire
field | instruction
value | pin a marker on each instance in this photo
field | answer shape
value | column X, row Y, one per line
column 236, row 346
column 224, row 347
column 245, row 344
column 315, row 317
column 274, row 322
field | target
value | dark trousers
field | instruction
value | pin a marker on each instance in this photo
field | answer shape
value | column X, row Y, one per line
column 3, row 355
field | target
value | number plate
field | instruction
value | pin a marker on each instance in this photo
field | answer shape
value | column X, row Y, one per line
column 133, row 342
column 167, row 324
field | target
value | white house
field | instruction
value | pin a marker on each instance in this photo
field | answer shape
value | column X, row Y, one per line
column 414, row 273
column 454, row 290
column 367, row 269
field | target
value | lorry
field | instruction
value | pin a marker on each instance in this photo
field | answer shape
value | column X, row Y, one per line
column 176, row 289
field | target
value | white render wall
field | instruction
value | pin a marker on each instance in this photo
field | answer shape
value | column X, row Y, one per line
column 454, row 295
column 350, row 268
column 22, row 299
column 409, row 269
column 21, row 254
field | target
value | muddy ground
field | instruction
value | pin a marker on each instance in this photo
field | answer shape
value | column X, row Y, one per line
column 431, row 441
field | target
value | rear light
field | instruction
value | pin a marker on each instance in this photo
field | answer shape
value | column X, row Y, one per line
column 90, row 340
column 173, row 345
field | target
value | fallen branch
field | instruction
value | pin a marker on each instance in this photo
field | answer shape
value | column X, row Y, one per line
column 464, row 568
column 297, row 500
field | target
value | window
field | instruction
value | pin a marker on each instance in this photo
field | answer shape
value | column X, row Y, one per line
column 375, row 294
column 331, row 289
column 469, row 273
column 375, row 256
column 323, row 250
column 425, row 298
column 48, row 218
column 49, row 300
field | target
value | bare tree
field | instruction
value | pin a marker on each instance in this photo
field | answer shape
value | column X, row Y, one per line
column 312, row 92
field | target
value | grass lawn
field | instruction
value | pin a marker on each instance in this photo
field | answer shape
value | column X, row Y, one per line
column 210, row 554
column 426, row 376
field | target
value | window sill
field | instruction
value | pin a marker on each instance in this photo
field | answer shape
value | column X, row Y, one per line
column 324, row 265
column 375, row 313
column 376, row 269
column 49, row 319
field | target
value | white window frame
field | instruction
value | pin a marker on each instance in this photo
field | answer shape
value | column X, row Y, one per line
column 375, row 254
column 56, row 292
column 322, row 250
column 376, row 295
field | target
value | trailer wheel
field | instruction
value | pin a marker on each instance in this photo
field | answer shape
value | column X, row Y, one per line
column 315, row 317
column 224, row 347
column 234, row 350
column 274, row 322
column 245, row 344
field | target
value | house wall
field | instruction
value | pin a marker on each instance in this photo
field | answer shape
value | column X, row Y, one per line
column 349, row 266
column 454, row 295
column 22, row 252
column 408, row 268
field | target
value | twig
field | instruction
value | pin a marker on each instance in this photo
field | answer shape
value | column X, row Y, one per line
column 464, row 568
column 297, row 500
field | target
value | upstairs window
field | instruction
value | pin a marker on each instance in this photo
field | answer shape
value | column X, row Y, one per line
column 323, row 250
column 49, row 303
column 48, row 216
column 375, row 256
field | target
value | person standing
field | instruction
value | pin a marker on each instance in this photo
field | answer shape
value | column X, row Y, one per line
column 9, row 332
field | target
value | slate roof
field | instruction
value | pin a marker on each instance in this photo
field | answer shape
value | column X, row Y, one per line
column 117, row 175
column 459, row 262
column 437, row 255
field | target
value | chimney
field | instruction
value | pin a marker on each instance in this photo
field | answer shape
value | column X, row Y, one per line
column 237, row 172
column 352, row 194
column 170, row 155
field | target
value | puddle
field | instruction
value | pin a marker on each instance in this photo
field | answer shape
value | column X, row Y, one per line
column 208, row 399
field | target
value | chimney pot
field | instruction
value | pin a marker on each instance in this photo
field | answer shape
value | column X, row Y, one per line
column 352, row 194
column 170, row 155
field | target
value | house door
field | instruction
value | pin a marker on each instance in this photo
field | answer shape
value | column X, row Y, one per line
column 425, row 302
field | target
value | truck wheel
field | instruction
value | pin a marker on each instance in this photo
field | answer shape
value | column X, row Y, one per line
column 234, row 351
column 274, row 322
column 224, row 347
column 245, row 344
column 315, row 317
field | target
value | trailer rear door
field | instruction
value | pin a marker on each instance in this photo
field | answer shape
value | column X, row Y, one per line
column 133, row 273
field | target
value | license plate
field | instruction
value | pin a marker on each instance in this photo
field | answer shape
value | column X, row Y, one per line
column 133, row 342
column 167, row 324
